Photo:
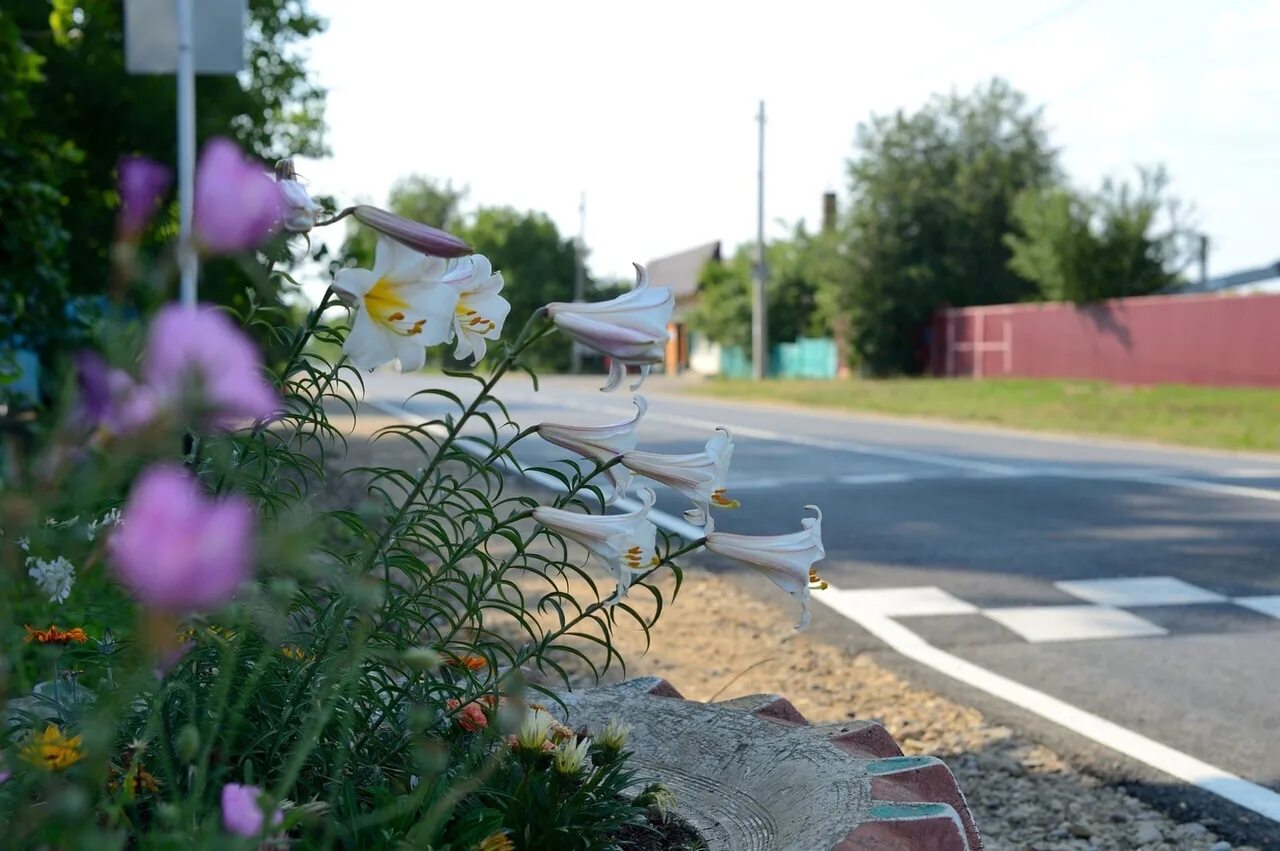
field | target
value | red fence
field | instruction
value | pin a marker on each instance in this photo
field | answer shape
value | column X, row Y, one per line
column 1192, row 339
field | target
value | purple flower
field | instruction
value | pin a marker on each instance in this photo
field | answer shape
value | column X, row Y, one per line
column 177, row 549
column 237, row 205
column 203, row 351
column 110, row 398
column 241, row 812
column 421, row 238
column 143, row 183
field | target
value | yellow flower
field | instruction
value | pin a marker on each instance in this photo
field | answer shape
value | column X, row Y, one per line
column 296, row 653
column 496, row 842
column 52, row 749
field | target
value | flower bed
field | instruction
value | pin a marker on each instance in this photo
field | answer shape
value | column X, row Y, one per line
column 201, row 652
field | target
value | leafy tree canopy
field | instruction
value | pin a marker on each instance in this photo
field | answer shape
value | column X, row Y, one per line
column 70, row 112
column 1119, row 241
column 794, row 277
column 931, row 200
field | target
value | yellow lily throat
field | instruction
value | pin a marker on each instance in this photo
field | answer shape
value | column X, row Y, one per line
column 385, row 305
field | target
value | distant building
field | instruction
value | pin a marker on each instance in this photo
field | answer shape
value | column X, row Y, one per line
column 680, row 272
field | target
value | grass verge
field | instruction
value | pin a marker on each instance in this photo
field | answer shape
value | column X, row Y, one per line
column 1211, row 417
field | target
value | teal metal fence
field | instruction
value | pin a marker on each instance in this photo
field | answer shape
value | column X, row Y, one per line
column 808, row 357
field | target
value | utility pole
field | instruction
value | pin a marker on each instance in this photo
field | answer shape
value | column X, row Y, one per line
column 186, row 76
column 759, row 310
column 579, row 275
column 1204, row 259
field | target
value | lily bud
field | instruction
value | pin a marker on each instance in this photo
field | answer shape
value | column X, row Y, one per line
column 700, row 476
column 630, row 329
column 299, row 212
column 600, row 443
column 422, row 238
column 786, row 559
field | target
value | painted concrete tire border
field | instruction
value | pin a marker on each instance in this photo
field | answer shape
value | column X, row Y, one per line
column 751, row 774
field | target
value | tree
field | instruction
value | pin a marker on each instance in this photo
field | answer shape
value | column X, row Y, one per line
column 931, row 200
column 33, row 241
column 417, row 197
column 77, row 112
column 537, row 265
column 1083, row 247
column 723, row 310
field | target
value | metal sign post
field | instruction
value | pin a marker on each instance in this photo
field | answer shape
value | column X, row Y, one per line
column 185, row 38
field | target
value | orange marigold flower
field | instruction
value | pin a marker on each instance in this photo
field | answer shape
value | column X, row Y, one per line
column 52, row 749
column 471, row 663
column 472, row 718
column 53, row 635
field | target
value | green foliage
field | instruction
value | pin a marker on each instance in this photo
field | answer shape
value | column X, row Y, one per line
column 795, row 277
column 537, row 264
column 33, row 241
column 932, row 197
column 70, row 112
column 322, row 682
column 1085, row 247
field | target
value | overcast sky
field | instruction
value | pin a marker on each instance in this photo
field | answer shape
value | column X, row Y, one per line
column 649, row 108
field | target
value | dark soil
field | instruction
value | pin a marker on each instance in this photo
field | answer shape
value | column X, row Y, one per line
column 672, row 834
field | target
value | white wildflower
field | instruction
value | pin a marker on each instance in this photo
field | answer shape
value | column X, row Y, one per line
column 54, row 577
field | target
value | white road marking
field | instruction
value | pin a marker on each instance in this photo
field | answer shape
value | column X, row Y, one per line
column 907, row 602
column 1042, row 624
column 1173, row 762
column 969, row 465
column 1138, row 591
column 797, row 440
column 1269, row 605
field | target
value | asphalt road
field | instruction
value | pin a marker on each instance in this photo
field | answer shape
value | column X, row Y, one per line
column 980, row 527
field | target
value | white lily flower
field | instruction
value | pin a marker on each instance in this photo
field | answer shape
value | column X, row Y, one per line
column 786, row 559
column 700, row 476
column 480, row 311
column 630, row 329
column 623, row 543
column 300, row 212
column 402, row 306
column 569, row 757
column 600, row 443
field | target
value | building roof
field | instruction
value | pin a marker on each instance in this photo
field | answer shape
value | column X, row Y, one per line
column 680, row 271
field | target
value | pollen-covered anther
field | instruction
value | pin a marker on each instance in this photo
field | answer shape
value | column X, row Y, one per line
column 395, row 317
column 718, row 497
column 417, row 327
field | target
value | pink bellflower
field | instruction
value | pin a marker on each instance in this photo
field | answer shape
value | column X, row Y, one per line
column 202, row 349
column 109, row 398
column 237, row 205
column 143, row 183
column 177, row 549
column 241, row 813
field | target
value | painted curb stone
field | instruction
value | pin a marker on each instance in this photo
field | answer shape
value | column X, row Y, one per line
column 751, row 774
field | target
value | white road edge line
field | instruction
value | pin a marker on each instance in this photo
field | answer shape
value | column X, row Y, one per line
column 1148, row 751
column 1159, row 756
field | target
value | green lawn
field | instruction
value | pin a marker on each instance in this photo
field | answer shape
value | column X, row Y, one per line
column 1212, row 417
